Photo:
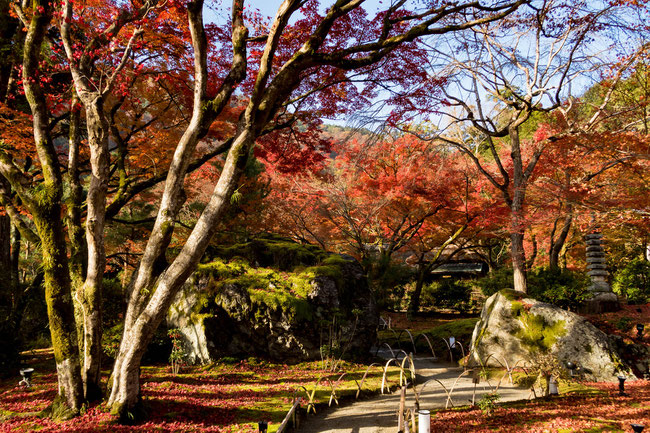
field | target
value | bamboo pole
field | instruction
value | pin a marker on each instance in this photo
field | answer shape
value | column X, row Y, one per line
column 290, row 415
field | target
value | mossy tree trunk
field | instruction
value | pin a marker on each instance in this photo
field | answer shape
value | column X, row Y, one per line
column 150, row 299
column 92, row 97
column 91, row 291
column 44, row 204
column 60, row 308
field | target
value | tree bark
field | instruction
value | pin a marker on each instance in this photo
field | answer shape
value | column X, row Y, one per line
column 517, row 229
column 147, row 304
column 91, row 292
column 414, row 303
column 530, row 262
column 45, row 207
column 557, row 244
column 78, row 251
column 125, row 391
column 92, row 98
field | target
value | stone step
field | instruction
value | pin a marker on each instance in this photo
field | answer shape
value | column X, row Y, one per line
column 598, row 272
column 594, row 248
column 595, row 254
column 593, row 236
column 593, row 266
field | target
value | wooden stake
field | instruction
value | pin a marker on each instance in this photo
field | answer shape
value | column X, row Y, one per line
column 400, row 415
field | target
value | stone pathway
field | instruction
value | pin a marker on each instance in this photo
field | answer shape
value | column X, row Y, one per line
column 379, row 414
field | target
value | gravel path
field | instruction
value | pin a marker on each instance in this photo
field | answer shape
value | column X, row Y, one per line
column 379, row 414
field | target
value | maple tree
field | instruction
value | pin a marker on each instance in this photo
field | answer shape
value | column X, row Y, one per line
column 375, row 198
column 151, row 93
column 505, row 72
column 596, row 174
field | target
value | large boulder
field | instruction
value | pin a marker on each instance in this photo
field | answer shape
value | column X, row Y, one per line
column 276, row 299
column 518, row 329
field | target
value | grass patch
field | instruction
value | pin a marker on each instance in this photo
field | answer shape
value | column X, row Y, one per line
column 461, row 329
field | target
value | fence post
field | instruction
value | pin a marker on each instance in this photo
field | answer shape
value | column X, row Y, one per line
column 402, row 403
column 424, row 421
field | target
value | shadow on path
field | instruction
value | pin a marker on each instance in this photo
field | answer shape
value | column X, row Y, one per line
column 379, row 414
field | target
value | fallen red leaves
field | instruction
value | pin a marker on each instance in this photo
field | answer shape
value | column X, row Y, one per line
column 598, row 412
column 224, row 398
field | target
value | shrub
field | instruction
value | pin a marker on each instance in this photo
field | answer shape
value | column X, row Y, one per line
column 178, row 356
column 488, row 402
column 624, row 324
column 497, row 280
column 389, row 285
column 633, row 281
column 447, row 293
column 561, row 287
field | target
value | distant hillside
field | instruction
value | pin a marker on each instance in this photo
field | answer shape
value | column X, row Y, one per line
column 345, row 133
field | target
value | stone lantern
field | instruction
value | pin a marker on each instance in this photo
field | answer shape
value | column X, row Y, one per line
column 602, row 298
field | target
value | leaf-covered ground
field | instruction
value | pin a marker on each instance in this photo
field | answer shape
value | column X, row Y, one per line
column 624, row 321
column 601, row 410
column 233, row 397
column 218, row 398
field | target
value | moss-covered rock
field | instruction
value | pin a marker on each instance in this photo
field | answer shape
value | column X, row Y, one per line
column 273, row 298
column 517, row 330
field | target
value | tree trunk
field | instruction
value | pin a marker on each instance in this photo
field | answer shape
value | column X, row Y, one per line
column 517, row 229
column 557, row 244
column 78, row 251
column 530, row 262
column 518, row 261
column 45, row 207
column 60, row 311
column 91, row 293
column 125, row 382
column 124, row 386
column 414, row 304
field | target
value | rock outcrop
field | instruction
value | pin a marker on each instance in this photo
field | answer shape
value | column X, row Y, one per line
column 519, row 330
column 275, row 299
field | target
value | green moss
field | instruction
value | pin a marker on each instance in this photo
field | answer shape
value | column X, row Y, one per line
column 276, row 272
column 270, row 251
column 535, row 333
column 60, row 411
column 516, row 308
column 513, row 295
